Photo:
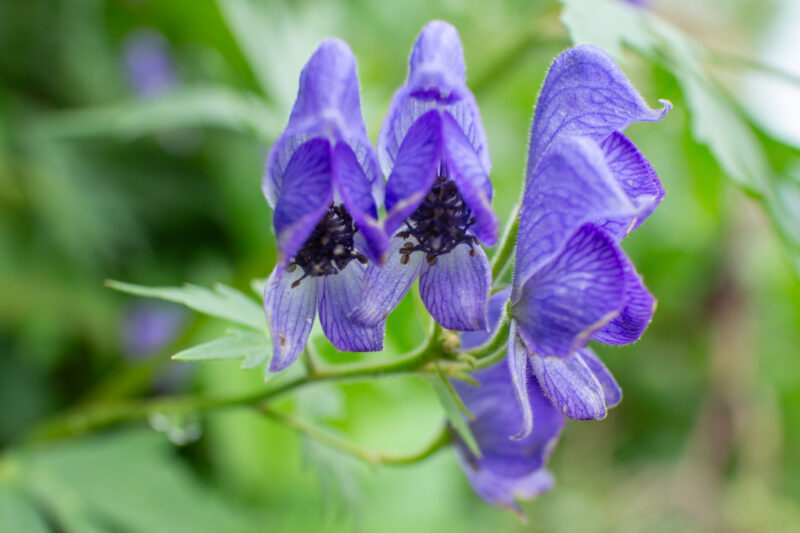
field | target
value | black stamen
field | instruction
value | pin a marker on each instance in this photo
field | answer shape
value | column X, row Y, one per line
column 329, row 248
column 439, row 224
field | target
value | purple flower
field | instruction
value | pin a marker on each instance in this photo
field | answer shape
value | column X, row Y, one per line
column 323, row 182
column 148, row 63
column 148, row 327
column 438, row 194
column 507, row 469
column 587, row 186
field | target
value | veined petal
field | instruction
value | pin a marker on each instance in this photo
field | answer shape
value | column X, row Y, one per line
column 436, row 80
column 339, row 295
column 305, row 196
column 521, row 375
column 472, row 181
column 580, row 290
column 356, row 193
column 585, row 93
column 636, row 315
column 417, row 166
column 636, row 177
column 384, row 288
column 290, row 315
column 327, row 106
column 612, row 394
column 572, row 186
column 571, row 386
column 455, row 289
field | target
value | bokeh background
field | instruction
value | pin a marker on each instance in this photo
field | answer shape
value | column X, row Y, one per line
column 133, row 136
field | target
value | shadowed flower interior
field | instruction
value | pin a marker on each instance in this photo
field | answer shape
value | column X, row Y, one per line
column 329, row 248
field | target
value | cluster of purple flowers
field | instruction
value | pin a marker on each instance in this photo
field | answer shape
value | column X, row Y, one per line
column 586, row 187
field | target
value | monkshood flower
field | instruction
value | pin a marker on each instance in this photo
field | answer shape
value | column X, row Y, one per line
column 587, row 186
column 148, row 63
column 438, row 194
column 323, row 182
column 507, row 469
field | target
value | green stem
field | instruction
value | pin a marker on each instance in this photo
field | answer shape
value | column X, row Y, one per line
column 369, row 456
column 98, row 416
column 506, row 247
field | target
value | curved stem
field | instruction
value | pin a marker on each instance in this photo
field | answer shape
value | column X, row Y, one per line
column 371, row 457
column 95, row 417
column 506, row 246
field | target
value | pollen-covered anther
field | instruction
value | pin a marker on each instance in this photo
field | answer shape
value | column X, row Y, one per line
column 439, row 224
column 329, row 248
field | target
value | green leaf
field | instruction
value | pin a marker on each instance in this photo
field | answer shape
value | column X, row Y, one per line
column 455, row 410
column 19, row 514
column 126, row 481
column 188, row 107
column 223, row 302
column 255, row 348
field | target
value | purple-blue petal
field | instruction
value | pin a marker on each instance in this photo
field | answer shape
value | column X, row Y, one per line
column 497, row 414
column 436, row 81
column 356, row 194
column 290, row 315
column 585, row 94
column 505, row 491
column 612, row 393
column 520, row 371
column 305, row 196
column 571, row 386
column 471, row 179
column 630, row 324
column 327, row 106
column 572, row 186
column 636, row 177
column 561, row 304
column 339, row 295
column 418, row 164
column 384, row 288
column 455, row 289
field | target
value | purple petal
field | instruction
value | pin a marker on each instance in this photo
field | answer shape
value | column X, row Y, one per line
column 418, row 163
column 612, row 394
column 572, row 186
column 585, row 93
column 636, row 177
column 504, row 491
column 290, row 315
column 384, row 288
column 519, row 370
column 356, row 193
column 571, row 386
column 339, row 295
column 455, row 289
column 579, row 291
column 465, row 169
column 640, row 305
column 497, row 305
column 327, row 106
column 305, row 196
column 436, row 80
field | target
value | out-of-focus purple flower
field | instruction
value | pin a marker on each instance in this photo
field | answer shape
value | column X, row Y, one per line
column 587, row 186
column 323, row 182
column 148, row 63
column 148, row 327
column 507, row 469
column 438, row 194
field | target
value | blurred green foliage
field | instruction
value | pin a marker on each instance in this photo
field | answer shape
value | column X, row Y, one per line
column 98, row 183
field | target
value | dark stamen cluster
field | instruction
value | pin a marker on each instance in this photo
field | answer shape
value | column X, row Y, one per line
column 329, row 248
column 439, row 224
